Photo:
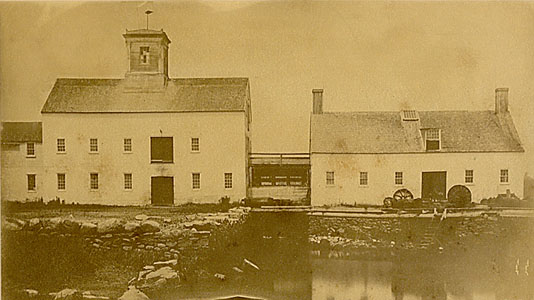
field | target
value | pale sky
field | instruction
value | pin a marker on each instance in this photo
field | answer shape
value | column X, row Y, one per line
column 365, row 55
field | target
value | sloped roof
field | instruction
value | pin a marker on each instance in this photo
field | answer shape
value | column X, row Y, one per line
column 180, row 95
column 385, row 132
column 22, row 132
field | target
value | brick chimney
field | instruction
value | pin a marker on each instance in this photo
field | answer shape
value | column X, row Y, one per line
column 317, row 101
column 501, row 100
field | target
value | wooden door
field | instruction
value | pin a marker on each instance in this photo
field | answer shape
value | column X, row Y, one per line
column 162, row 190
column 434, row 185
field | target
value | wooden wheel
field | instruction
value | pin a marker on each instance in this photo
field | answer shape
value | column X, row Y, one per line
column 388, row 202
column 459, row 195
column 403, row 195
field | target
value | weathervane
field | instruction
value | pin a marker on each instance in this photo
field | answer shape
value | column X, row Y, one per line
column 147, row 12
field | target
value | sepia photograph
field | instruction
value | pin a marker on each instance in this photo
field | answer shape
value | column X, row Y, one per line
column 262, row 149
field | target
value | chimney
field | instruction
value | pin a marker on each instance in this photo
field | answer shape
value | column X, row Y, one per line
column 501, row 100
column 317, row 101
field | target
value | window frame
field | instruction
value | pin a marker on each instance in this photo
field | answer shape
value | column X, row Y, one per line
column 58, row 151
column 228, row 181
column 128, row 183
column 469, row 176
column 195, row 182
column 434, row 139
column 364, row 180
column 330, row 178
column 157, row 161
column 401, row 177
column 141, row 56
column 91, row 149
column 34, row 176
column 124, row 145
column 195, row 145
column 61, row 186
column 32, row 154
column 92, row 185
column 505, row 176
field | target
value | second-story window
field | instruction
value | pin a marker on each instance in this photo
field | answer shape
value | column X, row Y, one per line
column 61, row 147
column 195, row 144
column 469, row 176
column 127, row 146
column 504, row 176
column 93, row 145
column 432, row 139
column 161, row 150
column 329, row 178
column 364, row 178
column 398, row 178
column 30, row 149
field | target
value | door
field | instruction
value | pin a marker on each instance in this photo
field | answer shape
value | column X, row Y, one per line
column 162, row 190
column 434, row 185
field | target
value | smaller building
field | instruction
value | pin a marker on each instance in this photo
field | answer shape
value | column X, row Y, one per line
column 365, row 157
column 22, row 161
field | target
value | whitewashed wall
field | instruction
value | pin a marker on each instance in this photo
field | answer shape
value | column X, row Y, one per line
column 222, row 150
column 382, row 168
column 15, row 167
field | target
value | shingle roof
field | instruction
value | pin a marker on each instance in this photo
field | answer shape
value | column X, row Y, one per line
column 385, row 132
column 180, row 95
column 21, row 132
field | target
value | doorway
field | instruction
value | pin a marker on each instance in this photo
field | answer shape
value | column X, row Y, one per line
column 434, row 185
column 162, row 190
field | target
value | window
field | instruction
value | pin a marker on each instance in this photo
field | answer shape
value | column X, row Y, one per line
column 93, row 145
column 432, row 138
column 195, row 144
column 127, row 145
column 94, row 181
column 364, row 179
column 227, row 180
column 128, row 181
column 469, row 176
column 329, row 178
column 409, row 115
column 161, row 150
column 144, row 55
column 61, row 182
column 30, row 149
column 195, row 181
column 398, row 178
column 61, row 148
column 504, row 176
column 31, row 182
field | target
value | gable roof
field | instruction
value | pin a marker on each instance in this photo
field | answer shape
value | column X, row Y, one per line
column 22, row 132
column 180, row 95
column 385, row 132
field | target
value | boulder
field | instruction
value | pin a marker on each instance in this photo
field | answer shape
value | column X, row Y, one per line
column 131, row 226
column 111, row 225
column 88, row 228
column 133, row 294
column 165, row 272
column 54, row 224
column 149, row 226
column 166, row 263
column 30, row 293
column 70, row 225
column 34, row 224
column 7, row 225
column 141, row 217
column 68, row 294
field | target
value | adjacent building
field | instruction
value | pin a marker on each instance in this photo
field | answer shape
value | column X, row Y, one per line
column 22, row 161
column 146, row 138
column 366, row 157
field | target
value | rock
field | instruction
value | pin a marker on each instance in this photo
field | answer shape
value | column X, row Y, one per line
column 34, row 224
column 7, row 225
column 160, row 282
column 142, row 274
column 170, row 244
column 166, row 263
column 68, row 294
column 30, row 293
column 54, row 223
column 149, row 247
column 167, row 220
column 71, row 226
column 126, row 248
column 87, row 228
column 133, row 294
column 111, row 225
column 131, row 226
column 165, row 272
column 219, row 276
column 151, row 268
column 149, row 226
column 107, row 236
column 96, row 245
column 160, row 245
column 141, row 217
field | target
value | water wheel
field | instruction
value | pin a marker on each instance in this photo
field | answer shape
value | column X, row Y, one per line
column 403, row 195
column 459, row 195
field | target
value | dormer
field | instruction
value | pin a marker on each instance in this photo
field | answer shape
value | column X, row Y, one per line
column 432, row 138
column 147, row 57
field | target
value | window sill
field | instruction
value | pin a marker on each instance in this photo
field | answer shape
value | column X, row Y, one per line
column 195, row 152
column 30, row 156
column 194, row 189
column 330, row 185
column 93, row 190
column 91, row 152
column 128, row 190
column 469, row 183
column 161, row 162
column 61, row 191
column 363, row 186
column 32, row 191
column 61, row 152
column 504, row 183
column 127, row 152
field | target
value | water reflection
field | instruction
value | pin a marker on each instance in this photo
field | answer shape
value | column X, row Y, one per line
column 278, row 245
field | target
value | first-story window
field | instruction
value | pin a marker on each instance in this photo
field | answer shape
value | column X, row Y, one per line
column 127, row 145
column 30, row 149
column 195, row 181
column 504, row 176
column 364, row 178
column 94, row 181
column 330, row 178
column 227, row 180
column 61, row 148
column 469, row 176
column 31, row 182
column 128, row 184
column 93, row 145
column 398, row 178
column 61, row 181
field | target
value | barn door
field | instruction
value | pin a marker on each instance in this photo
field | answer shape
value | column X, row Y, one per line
column 434, row 185
column 162, row 190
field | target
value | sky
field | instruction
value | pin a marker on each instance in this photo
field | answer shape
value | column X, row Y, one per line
column 366, row 56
